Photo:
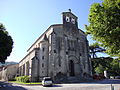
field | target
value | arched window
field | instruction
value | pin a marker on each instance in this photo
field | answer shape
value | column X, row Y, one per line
column 42, row 64
column 59, row 62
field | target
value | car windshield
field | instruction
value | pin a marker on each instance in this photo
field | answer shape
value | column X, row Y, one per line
column 47, row 79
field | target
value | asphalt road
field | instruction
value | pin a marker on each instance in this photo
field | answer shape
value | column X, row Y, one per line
column 9, row 86
column 98, row 85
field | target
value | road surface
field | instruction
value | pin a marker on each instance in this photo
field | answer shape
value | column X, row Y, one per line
column 99, row 85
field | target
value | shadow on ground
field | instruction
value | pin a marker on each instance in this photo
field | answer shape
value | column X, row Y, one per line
column 56, row 86
column 105, row 81
column 9, row 86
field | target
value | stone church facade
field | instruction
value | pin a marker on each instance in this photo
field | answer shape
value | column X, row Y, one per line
column 61, row 52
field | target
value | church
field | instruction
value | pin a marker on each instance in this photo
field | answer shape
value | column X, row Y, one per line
column 61, row 52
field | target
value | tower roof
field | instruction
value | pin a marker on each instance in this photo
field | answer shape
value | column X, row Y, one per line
column 69, row 12
column 45, row 38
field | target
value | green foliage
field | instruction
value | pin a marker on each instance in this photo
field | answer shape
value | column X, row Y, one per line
column 115, row 70
column 28, row 83
column 95, row 48
column 101, row 64
column 111, row 65
column 104, row 27
column 24, row 79
column 99, row 69
column 6, row 44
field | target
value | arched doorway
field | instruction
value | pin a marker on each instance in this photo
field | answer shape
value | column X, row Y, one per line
column 71, row 68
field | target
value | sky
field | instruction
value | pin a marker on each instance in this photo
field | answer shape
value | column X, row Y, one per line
column 26, row 20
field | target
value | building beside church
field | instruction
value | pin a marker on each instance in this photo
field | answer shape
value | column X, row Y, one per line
column 9, row 72
column 61, row 52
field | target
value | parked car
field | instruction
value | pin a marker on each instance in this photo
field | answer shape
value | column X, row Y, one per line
column 47, row 81
column 98, row 77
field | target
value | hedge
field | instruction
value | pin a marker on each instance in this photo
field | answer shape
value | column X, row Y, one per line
column 22, row 79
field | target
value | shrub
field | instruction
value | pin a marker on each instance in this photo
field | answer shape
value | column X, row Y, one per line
column 22, row 79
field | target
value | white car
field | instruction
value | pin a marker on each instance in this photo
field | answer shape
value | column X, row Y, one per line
column 47, row 81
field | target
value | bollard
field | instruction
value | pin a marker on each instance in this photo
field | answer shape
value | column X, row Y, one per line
column 112, row 87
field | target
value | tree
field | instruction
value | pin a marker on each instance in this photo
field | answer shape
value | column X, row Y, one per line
column 104, row 27
column 94, row 49
column 6, row 44
column 115, row 70
column 99, row 64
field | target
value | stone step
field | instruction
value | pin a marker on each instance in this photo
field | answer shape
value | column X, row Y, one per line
column 79, row 79
column 74, row 80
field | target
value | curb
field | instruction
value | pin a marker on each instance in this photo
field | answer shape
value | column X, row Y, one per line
column 25, row 84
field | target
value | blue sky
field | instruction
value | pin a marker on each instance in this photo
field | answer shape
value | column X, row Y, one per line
column 26, row 20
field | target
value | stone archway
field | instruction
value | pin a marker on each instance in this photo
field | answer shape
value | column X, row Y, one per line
column 71, row 68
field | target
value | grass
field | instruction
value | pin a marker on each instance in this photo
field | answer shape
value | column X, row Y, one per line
column 25, row 83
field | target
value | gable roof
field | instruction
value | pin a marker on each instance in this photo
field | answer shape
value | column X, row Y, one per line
column 43, row 34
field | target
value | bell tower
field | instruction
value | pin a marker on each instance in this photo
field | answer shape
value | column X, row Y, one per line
column 69, row 20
